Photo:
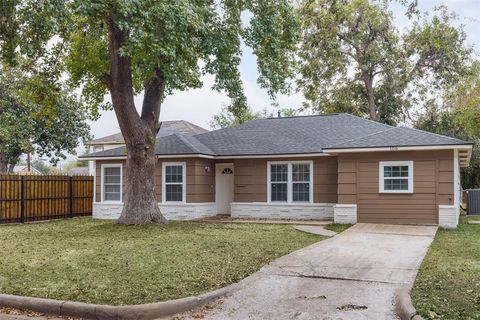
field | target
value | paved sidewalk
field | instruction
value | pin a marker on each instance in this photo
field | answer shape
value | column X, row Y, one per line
column 320, row 230
column 353, row 275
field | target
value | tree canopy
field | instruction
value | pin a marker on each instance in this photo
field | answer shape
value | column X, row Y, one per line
column 353, row 59
column 228, row 118
column 125, row 47
column 28, row 126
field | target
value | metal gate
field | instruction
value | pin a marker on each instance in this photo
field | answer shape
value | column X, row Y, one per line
column 473, row 201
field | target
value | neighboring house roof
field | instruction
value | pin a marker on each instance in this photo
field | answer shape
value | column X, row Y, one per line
column 293, row 135
column 24, row 169
column 79, row 171
column 166, row 128
column 177, row 144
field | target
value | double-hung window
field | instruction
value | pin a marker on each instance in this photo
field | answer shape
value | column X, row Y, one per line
column 290, row 181
column 174, row 177
column 112, row 182
column 396, row 176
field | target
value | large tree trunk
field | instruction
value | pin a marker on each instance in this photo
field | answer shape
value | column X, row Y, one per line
column 140, row 203
column 373, row 113
column 139, row 132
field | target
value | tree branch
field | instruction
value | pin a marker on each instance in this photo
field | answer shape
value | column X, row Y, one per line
column 154, row 90
column 121, row 87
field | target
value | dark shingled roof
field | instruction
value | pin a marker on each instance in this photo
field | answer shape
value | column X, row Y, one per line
column 294, row 135
column 166, row 128
column 398, row 137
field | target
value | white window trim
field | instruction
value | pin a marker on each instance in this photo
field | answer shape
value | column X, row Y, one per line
column 112, row 165
column 383, row 164
column 289, row 182
column 95, row 147
column 184, row 182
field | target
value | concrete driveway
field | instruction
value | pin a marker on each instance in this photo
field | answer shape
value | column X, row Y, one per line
column 353, row 275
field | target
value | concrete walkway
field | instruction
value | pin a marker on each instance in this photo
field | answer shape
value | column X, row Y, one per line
column 315, row 230
column 353, row 275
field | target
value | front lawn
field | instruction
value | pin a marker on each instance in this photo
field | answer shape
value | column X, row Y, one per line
column 101, row 262
column 337, row 227
column 448, row 283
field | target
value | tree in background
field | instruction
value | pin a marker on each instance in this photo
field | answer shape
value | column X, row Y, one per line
column 227, row 118
column 41, row 166
column 458, row 116
column 353, row 59
column 30, row 127
column 124, row 47
column 465, row 102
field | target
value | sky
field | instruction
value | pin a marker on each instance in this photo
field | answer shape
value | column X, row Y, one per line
column 200, row 105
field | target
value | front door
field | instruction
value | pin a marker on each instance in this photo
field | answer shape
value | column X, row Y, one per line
column 223, row 187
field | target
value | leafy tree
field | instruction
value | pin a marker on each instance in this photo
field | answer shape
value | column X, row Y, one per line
column 28, row 127
column 228, row 118
column 443, row 121
column 353, row 59
column 465, row 101
column 125, row 47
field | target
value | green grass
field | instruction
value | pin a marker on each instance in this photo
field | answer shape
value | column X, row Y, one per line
column 448, row 283
column 337, row 227
column 102, row 262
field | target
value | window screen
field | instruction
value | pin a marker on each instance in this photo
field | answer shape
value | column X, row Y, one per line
column 112, row 187
column 396, row 176
column 301, row 182
column 174, row 183
column 279, row 182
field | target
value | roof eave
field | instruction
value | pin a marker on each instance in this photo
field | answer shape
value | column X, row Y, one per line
column 400, row 148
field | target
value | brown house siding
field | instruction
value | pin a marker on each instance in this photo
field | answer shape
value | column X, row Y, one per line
column 251, row 179
column 358, row 183
column 200, row 183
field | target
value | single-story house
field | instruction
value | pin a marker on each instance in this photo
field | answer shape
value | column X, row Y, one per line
column 333, row 166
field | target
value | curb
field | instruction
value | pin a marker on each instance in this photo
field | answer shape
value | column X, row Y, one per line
column 404, row 307
column 147, row 311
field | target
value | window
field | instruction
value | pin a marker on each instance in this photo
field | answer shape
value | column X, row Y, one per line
column 396, row 177
column 290, row 181
column 279, row 182
column 227, row 171
column 301, row 182
column 111, row 182
column 173, row 182
column 97, row 148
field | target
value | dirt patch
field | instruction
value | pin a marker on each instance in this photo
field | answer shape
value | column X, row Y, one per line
column 31, row 314
column 348, row 307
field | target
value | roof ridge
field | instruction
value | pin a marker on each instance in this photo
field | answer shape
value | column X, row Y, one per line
column 431, row 133
column 301, row 116
column 362, row 137
column 366, row 119
column 185, row 138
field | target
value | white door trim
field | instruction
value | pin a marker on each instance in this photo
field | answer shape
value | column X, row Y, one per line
column 217, row 185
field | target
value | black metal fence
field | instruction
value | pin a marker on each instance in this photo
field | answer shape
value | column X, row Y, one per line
column 35, row 197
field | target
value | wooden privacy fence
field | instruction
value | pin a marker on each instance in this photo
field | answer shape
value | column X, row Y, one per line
column 33, row 198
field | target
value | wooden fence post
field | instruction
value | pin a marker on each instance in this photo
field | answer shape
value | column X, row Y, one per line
column 70, row 188
column 22, row 203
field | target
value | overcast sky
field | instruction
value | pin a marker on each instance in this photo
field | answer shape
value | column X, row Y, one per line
column 198, row 106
